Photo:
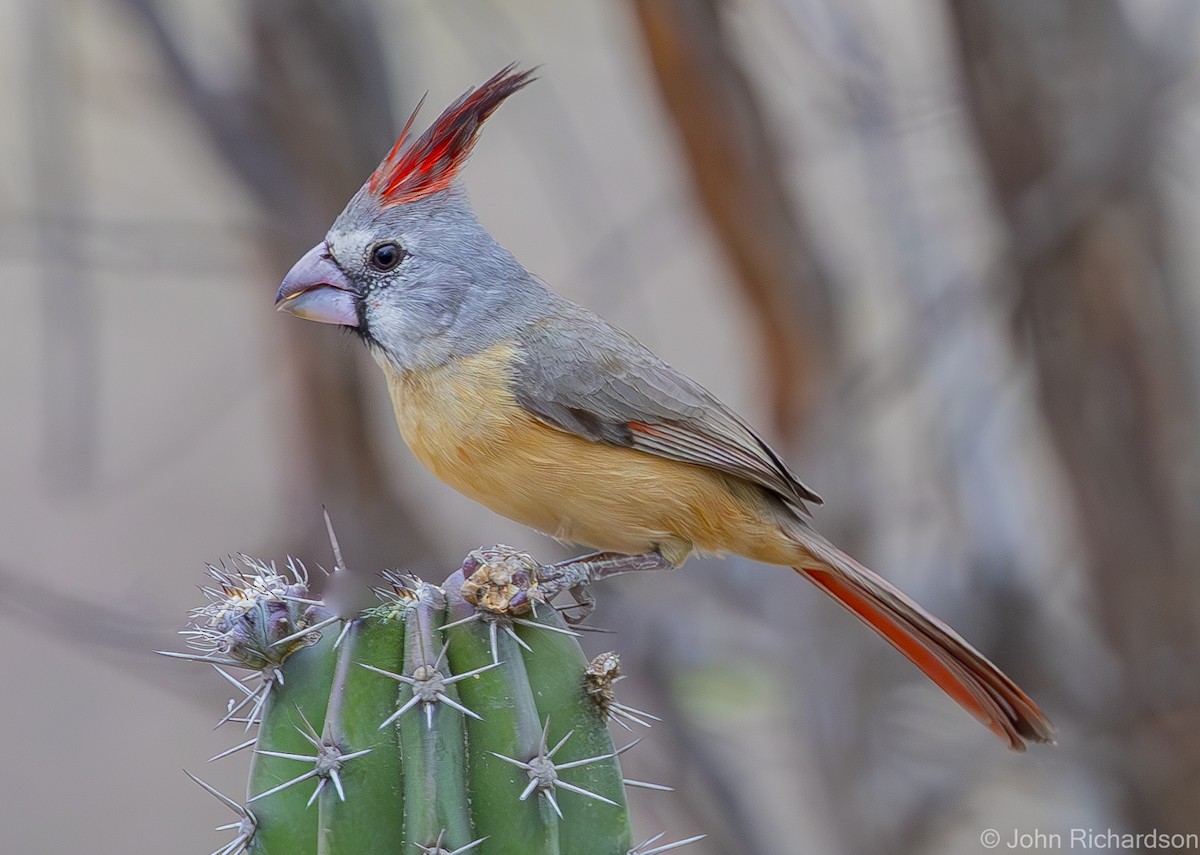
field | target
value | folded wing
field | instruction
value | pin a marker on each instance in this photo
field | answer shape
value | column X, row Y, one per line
column 580, row 375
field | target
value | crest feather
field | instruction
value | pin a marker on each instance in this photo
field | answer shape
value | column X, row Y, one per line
column 430, row 164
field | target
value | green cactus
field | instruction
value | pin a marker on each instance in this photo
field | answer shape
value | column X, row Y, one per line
column 452, row 719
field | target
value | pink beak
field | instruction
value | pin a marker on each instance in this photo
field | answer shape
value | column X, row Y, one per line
column 316, row 289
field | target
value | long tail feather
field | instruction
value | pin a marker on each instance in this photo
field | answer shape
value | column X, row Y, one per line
column 942, row 655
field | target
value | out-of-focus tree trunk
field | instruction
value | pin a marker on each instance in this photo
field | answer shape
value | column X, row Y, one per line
column 302, row 132
column 738, row 176
column 1063, row 95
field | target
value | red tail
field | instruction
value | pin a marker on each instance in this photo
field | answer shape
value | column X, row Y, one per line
column 960, row 670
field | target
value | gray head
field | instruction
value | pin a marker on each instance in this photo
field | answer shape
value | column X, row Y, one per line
column 407, row 265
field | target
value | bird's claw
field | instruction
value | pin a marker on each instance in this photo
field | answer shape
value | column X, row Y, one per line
column 585, row 604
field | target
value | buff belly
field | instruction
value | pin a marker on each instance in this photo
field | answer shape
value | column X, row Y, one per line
column 462, row 423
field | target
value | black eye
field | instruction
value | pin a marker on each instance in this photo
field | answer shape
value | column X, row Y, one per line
column 386, row 256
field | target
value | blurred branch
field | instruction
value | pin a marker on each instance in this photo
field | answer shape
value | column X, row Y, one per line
column 260, row 134
column 140, row 245
column 122, row 639
column 302, row 130
column 740, row 182
column 1064, row 98
column 946, row 500
column 70, row 378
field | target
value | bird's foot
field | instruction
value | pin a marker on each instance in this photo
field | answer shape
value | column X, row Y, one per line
column 504, row 581
column 576, row 574
column 585, row 604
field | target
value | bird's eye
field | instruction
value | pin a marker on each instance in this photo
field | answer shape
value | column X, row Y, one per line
column 386, row 256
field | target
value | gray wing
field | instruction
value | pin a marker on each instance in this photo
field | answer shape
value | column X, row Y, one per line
column 580, row 375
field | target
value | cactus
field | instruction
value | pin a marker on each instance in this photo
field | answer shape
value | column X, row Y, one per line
column 461, row 718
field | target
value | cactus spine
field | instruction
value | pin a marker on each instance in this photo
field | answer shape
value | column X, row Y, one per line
column 461, row 718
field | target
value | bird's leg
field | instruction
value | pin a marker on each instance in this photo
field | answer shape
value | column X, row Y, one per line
column 575, row 574
column 600, row 565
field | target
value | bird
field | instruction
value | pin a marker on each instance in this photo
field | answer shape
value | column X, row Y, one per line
column 545, row 413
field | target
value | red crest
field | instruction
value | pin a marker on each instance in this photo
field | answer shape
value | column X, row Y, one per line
column 410, row 172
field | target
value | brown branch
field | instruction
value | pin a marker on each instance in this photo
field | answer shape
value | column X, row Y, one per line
column 738, row 176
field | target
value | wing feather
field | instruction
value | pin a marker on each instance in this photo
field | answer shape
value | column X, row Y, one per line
column 582, row 376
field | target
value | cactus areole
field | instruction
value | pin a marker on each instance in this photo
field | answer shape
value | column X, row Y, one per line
column 461, row 718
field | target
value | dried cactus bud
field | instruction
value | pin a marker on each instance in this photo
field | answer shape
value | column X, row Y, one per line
column 599, row 677
column 253, row 615
column 501, row 580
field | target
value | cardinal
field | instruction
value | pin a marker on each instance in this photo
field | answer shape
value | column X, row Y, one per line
column 547, row 414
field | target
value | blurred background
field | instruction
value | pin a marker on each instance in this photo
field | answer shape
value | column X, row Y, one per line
column 942, row 252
